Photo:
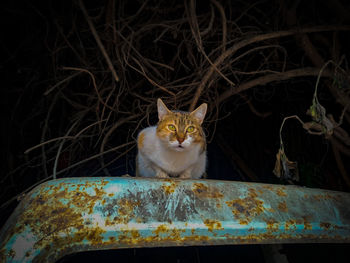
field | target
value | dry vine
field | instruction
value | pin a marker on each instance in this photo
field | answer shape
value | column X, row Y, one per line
column 110, row 66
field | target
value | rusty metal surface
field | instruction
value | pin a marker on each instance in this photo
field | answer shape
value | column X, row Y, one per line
column 70, row 215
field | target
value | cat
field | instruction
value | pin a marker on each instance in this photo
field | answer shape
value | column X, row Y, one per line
column 175, row 147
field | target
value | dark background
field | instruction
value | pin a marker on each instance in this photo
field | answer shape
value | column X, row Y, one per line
column 56, row 82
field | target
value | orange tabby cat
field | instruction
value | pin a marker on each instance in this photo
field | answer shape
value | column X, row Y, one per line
column 176, row 147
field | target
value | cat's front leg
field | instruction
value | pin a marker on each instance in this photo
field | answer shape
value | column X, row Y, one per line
column 161, row 174
column 187, row 174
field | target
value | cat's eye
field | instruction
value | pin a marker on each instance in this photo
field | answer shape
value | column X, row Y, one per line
column 190, row 129
column 171, row 127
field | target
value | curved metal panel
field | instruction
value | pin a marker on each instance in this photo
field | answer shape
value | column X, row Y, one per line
column 70, row 215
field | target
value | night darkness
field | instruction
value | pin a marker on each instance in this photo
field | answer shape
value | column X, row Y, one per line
column 79, row 81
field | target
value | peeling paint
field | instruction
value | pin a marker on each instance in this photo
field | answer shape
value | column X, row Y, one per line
column 245, row 209
column 203, row 190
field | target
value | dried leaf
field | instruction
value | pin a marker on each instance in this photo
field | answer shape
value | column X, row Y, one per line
column 318, row 114
column 284, row 168
column 277, row 170
column 317, row 111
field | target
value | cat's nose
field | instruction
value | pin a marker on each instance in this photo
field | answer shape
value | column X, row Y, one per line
column 180, row 139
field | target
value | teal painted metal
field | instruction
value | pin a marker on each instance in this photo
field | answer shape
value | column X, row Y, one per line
column 71, row 215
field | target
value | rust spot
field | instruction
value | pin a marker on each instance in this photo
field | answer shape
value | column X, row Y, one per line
column 280, row 192
column 269, row 209
column 63, row 242
column 94, row 235
column 247, row 208
column 212, row 224
column 307, row 224
column 252, row 193
column 129, row 237
column 195, row 238
column 290, row 224
column 99, row 192
column 325, row 225
column 263, row 237
column 244, row 221
column 203, row 191
column 109, row 222
column 272, row 224
column 160, row 229
column 282, row 206
column 169, row 188
column 162, row 234
column 125, row 211
column 321, row 197
column 268, row 187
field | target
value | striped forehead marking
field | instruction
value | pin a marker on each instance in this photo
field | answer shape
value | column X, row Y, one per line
column 182, row 119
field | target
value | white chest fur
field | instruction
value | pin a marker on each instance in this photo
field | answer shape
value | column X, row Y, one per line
column 153, row 155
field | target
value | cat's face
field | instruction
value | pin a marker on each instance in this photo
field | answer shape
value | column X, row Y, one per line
column 180, row 131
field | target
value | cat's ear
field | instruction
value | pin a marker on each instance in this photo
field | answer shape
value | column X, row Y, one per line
column 199, row 113
column 162, row 109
